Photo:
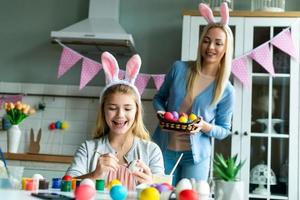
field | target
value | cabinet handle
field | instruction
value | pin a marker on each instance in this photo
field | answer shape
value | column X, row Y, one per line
column 245, row 133
column 236, row 133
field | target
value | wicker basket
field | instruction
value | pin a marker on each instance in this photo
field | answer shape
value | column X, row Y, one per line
column 177, row 126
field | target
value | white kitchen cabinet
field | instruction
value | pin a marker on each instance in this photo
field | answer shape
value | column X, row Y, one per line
column 268, row 101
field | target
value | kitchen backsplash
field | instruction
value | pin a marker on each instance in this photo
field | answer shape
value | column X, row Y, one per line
column 63, row 103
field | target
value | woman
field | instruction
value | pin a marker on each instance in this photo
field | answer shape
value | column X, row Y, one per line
column 203, row 88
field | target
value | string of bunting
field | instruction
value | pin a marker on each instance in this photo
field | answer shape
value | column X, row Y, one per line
column 261, row 54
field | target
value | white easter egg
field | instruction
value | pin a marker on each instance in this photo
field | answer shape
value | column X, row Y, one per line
column 133, row 166
column 37, row 176
column 202, row 187
column 88, row 181
column 167, row 195
column 183, row 184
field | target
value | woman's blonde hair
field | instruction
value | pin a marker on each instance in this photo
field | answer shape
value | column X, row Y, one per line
column 138, row 128
column 224, row 70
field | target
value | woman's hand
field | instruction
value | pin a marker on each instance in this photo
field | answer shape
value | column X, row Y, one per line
column 143, row 176
column 106, row 162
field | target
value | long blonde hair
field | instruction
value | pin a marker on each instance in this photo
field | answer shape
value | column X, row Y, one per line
column 138, row 128
column 224, row 70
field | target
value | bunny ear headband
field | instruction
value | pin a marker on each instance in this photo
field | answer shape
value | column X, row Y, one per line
column 111, row 69
column 207, row 13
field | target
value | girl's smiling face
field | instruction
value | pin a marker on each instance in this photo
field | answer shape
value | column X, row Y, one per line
column 120, row 111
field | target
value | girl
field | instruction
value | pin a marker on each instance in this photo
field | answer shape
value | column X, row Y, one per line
column 120, row 137
column 201, row 87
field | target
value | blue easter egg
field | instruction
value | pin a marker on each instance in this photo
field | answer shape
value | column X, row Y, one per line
column 118, row 192
column 58, row 125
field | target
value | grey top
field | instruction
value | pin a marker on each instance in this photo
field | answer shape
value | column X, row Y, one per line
column 86, row 156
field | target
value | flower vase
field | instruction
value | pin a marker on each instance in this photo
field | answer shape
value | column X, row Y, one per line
column 13, row 138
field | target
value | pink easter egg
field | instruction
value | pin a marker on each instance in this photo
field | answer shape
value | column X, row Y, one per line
column 85, row 192
column 168, row 116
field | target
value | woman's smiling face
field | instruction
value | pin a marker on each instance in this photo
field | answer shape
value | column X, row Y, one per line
column 120, row 111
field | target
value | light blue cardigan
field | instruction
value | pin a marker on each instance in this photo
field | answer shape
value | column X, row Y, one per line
column 170, row 97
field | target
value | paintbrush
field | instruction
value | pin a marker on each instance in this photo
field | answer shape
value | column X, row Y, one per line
column 4, row 161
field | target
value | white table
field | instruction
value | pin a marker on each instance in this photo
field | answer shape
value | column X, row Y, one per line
column 9, row 194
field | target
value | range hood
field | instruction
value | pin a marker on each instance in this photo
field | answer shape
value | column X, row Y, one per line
column 101, row 31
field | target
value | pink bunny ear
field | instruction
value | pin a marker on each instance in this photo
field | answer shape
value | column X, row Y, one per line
column 132, row 68
column 224, row 12
column 110, row 67
column 206, row 12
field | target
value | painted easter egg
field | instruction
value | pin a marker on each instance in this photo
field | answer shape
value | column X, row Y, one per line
column 113, row 183
column 175, row 115
column 183, row 114
column 188, row 195
column 183, row 119
column 192, row 117
column 149, row 193
column 183, row 184
column 67, row 178
column 84, row 192
column 64, row 125
column 168, row 116
column 118, row 192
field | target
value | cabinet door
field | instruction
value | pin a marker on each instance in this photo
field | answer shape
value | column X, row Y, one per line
column 270, row 116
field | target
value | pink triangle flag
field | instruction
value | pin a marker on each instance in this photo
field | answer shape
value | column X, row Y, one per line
column 158, row 80
column 284, row 42
column 141, row 82
column 67, row 60
column 262, row 55
column 89, row 70
column 240, row 70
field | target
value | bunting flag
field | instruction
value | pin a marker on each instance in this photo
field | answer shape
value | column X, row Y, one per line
column 240, row 69
column 262, row 55
column 141, row 82
column 89, row 69
column 67, row 60
column 158, row 80
column 284, row 42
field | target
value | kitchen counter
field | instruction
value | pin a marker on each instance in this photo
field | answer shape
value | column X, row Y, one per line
column 39, row 157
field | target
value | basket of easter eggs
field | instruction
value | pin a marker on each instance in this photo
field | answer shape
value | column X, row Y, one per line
column 175, row 121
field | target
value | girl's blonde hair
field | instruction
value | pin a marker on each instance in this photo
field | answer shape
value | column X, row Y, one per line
column 138, row 128
column 224, row 70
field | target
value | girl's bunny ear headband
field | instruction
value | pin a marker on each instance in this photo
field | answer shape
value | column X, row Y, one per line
column 207, row 13
column 111, row 69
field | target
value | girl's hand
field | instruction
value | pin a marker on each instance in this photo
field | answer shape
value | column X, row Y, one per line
column 106, row 162
column 144, row 176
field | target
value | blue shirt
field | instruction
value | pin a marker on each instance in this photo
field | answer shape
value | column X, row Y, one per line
column 170, row 97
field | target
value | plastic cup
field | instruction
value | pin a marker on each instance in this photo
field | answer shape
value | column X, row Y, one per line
column 15, row 176
column 161, row 178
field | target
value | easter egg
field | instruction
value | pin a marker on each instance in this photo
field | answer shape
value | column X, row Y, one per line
column 58, row 125
column 67, row 178
column 64, row 125
column 88, row 181
column 183, row 119
column 188, row 195
column 52, row 126
column 170, row 187
column 168, row 116
column 37, row 176
column 149, row 193
column 118, row 192
column 175, row 114
column 113, row 183
column 168, row 195
column 183, row 184
column 84, row 192
column 161, row 188
column 192, row 117
column 133, row 167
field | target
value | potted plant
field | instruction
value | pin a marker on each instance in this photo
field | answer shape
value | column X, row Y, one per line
column 228, row 187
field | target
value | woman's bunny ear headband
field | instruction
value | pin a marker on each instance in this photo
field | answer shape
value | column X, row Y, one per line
column 207, row 13
column 111, row 69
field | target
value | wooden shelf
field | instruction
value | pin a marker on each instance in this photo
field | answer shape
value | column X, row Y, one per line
column 247, row 13
column 39, row 157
